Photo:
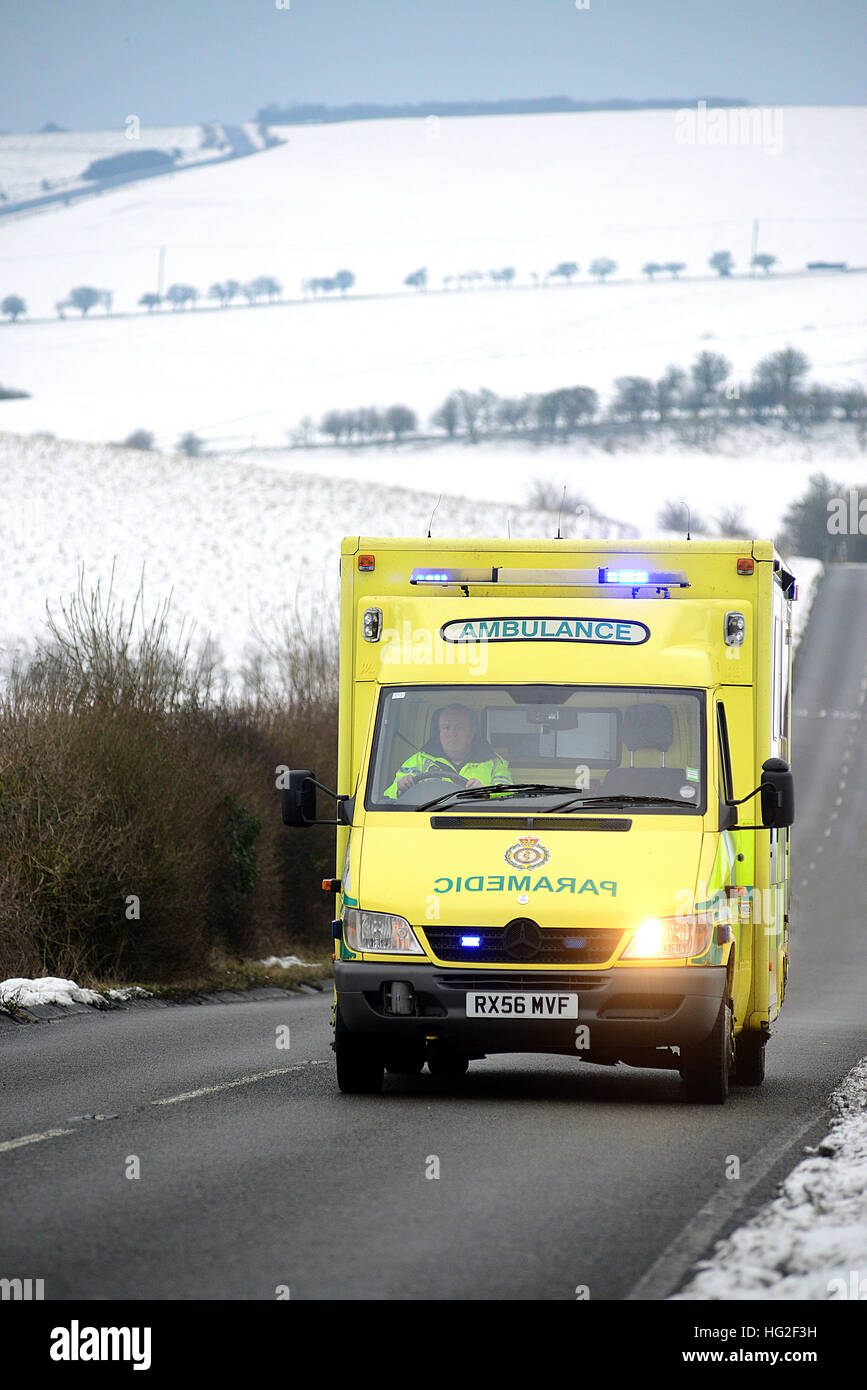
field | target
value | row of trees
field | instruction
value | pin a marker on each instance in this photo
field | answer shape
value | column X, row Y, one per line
column 366, row 425
column 182, row 296
column 701, row 400
column 342, row 280
column 723, row 262
column 179, row 296
column 189, row 443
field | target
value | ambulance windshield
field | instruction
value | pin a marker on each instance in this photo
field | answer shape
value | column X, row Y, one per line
column 550, row 744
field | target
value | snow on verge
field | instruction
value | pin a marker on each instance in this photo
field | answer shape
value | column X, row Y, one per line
column 47, row 990
column 808, row 571
column 811, row 1241
column 284, row 962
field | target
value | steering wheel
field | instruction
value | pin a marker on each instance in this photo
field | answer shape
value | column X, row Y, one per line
column 434, row 777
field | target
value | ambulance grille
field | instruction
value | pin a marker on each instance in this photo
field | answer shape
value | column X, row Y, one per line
column 559, row 946
column 516, row 979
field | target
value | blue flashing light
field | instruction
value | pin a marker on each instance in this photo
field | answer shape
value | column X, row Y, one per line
column 625, row 576
column 471, row 941
column 575, row 943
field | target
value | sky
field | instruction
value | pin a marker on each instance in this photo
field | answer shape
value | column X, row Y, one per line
column 89, row 64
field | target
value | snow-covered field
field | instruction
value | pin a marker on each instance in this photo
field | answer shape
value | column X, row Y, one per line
column 245, row 375
column 28, row 161
column 383, row 198
column 237, row 544
column 239, row 541
column 811, row 1241
column 756, row 470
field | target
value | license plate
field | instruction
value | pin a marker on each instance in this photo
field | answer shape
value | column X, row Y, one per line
column 521, row 1005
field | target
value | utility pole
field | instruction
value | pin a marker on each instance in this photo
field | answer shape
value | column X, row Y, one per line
column 161, row 271
column 755, row 247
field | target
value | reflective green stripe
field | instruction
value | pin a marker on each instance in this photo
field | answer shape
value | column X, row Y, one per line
column 494, row 769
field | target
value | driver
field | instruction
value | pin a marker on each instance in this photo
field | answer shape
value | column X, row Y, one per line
column 454, row 747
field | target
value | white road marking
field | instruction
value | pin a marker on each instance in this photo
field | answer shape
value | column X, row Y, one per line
column 169, row 1100
column 241, row 1081
column 33, row 1139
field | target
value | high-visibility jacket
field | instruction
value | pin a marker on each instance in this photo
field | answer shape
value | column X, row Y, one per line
column 485, row 770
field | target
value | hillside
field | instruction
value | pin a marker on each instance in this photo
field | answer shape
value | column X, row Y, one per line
column 31, row 164
column 238, row 545
column 242, row 542
column 383, row 198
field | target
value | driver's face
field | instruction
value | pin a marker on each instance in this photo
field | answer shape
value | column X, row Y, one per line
column 456, row 736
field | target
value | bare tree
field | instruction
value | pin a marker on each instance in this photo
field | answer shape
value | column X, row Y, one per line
column 723, row 263
column 635, row 398
column 678, row 516
column 709, row 371
column 602, row 267
column 190, row 444
column 139, row 439
column 731, row 522
column 83, row 298
column 13, row 306
column 401, row 420
column 447, row 417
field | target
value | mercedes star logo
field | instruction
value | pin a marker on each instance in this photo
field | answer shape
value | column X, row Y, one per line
column 522, row 938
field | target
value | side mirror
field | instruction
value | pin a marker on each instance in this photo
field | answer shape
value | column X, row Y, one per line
column 778, row 794
column 299, row 798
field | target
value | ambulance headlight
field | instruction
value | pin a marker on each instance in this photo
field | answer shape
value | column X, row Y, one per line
column 664, row 938
column 379, row 931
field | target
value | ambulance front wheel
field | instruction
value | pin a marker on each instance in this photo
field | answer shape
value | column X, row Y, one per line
column 359, row 1065
column 705, row 1069
column 750, row 1058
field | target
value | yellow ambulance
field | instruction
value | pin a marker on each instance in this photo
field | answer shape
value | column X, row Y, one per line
column 563, row 805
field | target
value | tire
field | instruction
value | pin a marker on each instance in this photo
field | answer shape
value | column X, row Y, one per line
column 750, row 1059
column 447, row 1066
column 359, row 1065
column 705, row 1069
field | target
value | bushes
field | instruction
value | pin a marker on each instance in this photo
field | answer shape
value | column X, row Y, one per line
column 140, row 828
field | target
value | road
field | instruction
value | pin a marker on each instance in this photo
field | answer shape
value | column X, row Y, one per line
column 256, row 1174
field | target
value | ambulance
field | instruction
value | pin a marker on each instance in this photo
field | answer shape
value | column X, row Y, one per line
column 563, row 806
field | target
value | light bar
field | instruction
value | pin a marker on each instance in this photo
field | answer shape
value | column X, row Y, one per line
column 599, row 577
column 433, row 574
column 607, row 576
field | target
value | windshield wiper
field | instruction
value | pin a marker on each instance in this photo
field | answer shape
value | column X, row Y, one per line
column 623, row 798
column 495, row 788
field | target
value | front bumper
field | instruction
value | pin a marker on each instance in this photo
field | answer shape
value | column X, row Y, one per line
column 626, row 1010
